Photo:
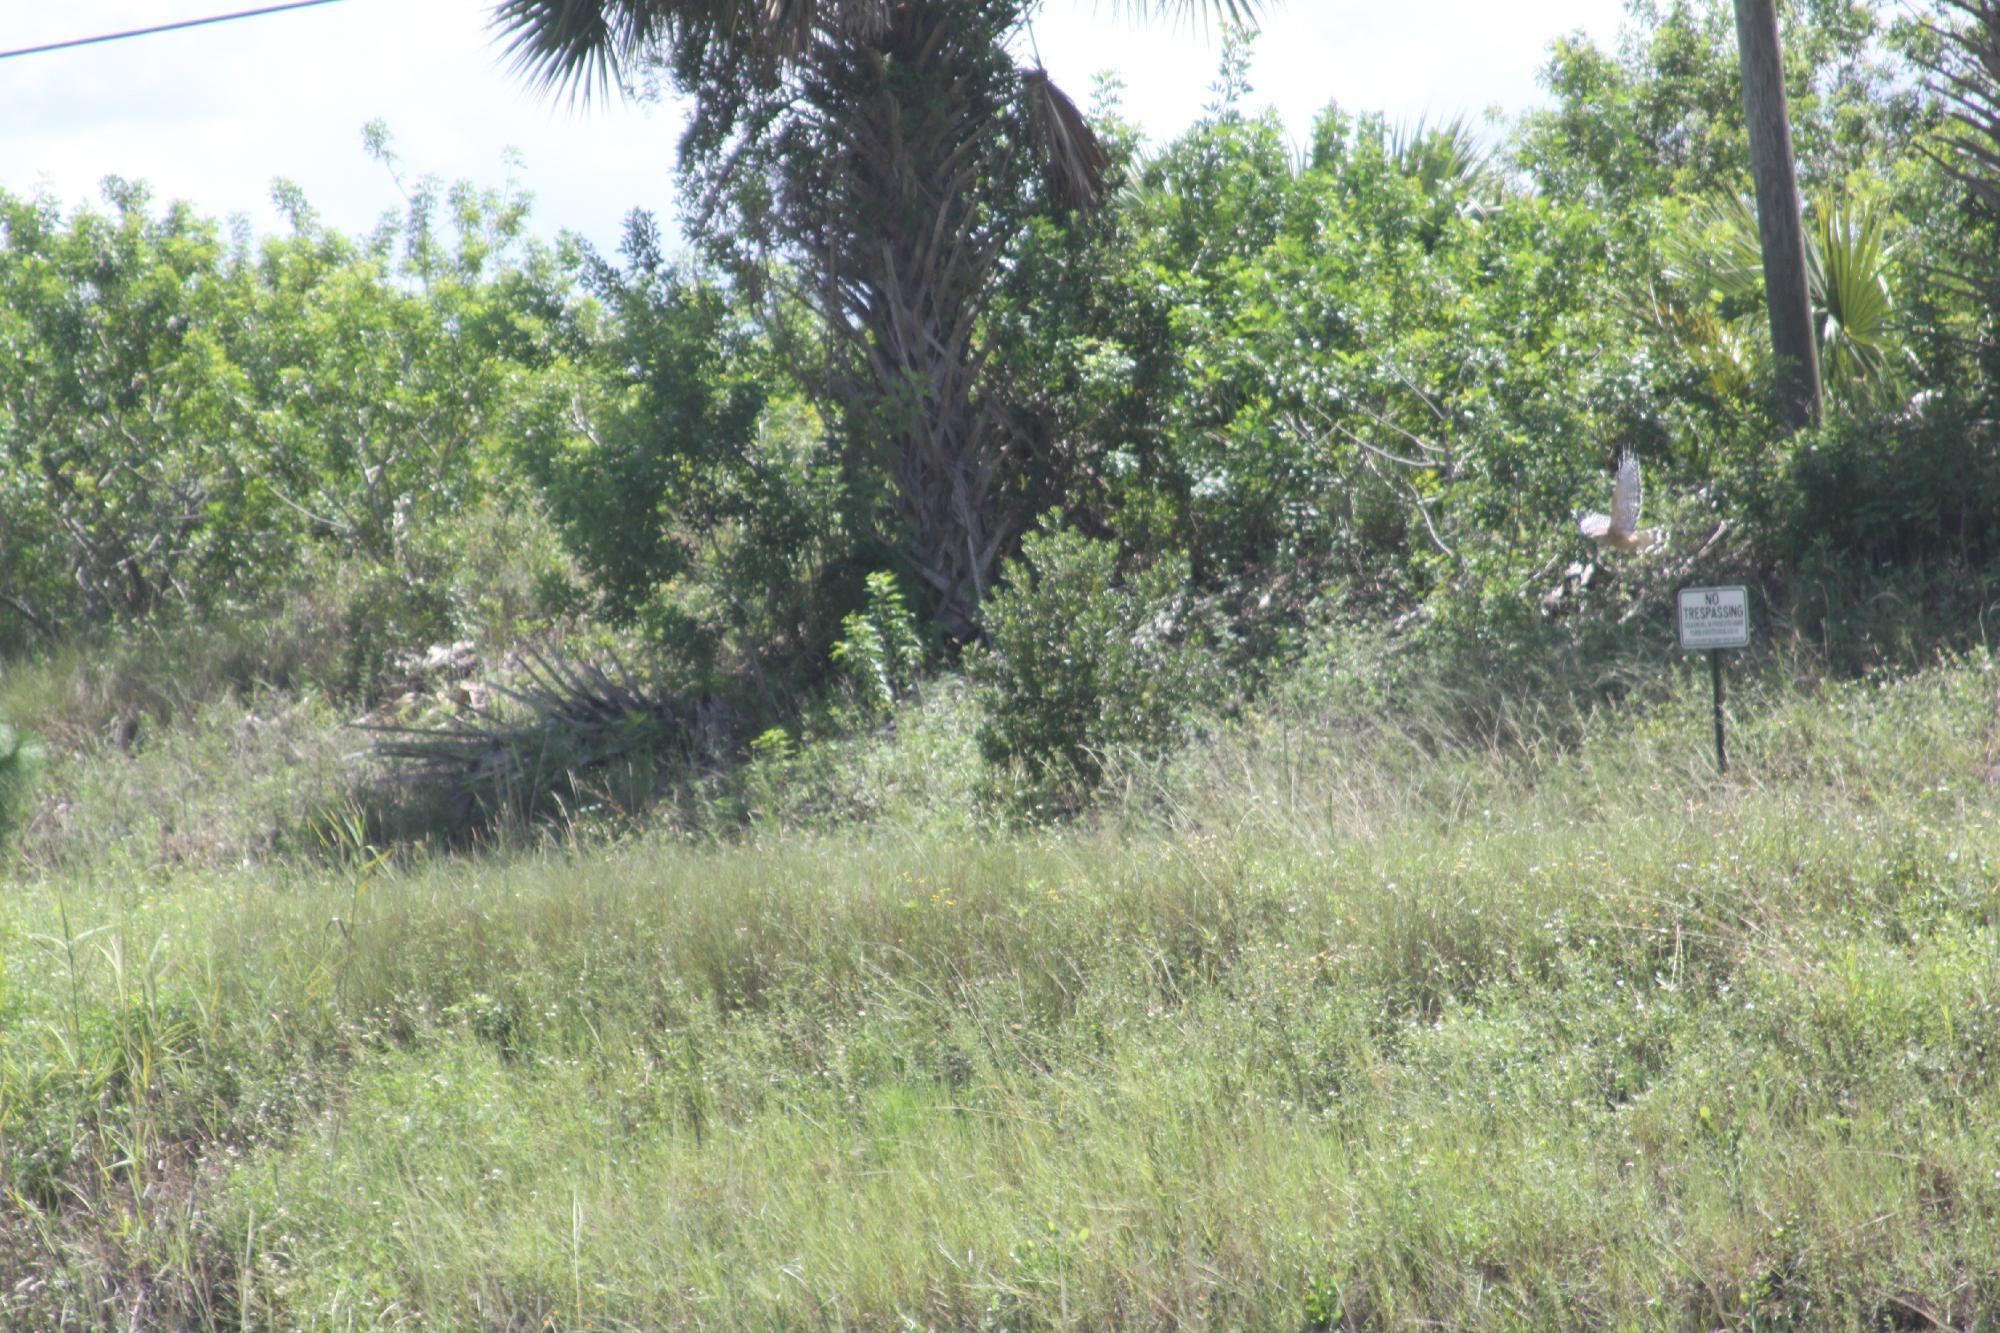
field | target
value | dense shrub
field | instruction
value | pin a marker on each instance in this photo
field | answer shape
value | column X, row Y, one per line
column 690, row 481
column 1084, row 662
column 127, row 462
column 1377, row 366
column 1894, row 489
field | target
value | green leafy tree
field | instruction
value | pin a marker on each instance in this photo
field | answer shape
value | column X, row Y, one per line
column 637, row 466
column 1343, row 370
column 890, row 154
column 126, row 435
column 1663, row 113
column 381, row 398
column 689, row 479
column 189, row 422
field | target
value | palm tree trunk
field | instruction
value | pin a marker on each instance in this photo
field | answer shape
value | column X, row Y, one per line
column 919, row 120
column 1787, row 295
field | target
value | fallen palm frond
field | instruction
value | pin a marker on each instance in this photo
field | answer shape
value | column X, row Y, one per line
column 560, row 729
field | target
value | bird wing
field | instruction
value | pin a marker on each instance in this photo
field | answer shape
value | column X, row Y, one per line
column 1594, row 526
column 1625, row 498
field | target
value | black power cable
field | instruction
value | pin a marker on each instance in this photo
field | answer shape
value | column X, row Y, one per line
column 164, row 27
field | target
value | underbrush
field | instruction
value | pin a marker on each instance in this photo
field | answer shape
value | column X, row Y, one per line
column 1337, row 1019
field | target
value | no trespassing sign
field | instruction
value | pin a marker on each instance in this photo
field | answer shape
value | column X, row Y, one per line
column 1714, row 618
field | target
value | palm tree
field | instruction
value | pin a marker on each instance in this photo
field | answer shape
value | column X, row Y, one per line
column 886, row 153
column 1964, row 77
column 1448, row 160
column 1715, row 253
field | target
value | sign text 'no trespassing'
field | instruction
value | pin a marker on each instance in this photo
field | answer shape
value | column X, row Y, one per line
column 1714, row 618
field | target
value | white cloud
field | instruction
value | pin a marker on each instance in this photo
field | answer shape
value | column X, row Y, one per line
column 1435, row 57
column 214, row 114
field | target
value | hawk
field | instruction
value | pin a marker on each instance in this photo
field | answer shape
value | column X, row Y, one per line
column 1620, row 529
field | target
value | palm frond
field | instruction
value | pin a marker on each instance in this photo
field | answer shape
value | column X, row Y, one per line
column 575, row 48
column 1964, row 76
column 556, row 724
column 579, row 48
column 1062, row 138
column 1715, row 252
column 1231, row 13
column 1716, row 249
column 1447, row 159
column 786, row 27
column 1847, row 268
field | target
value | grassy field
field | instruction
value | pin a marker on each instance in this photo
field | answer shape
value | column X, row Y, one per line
column 1331, row 1023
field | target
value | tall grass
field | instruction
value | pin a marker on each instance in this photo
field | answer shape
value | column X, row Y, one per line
column 1329, row 1022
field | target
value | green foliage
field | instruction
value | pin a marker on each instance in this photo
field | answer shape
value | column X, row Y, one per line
column 1345, row 374
column 636, row 476
column 1382, row 373
column 1902, row 489
column 1371, row 379
column 1663, row 115
column 1710, row 298
column 1860, row 346
column 189, row 424
column 127, row 460
column 884, row 161
column 692, row 485
column 1084, row 663
column 382, row 609
column 879, row 653
column 21, row 760
column 1449, row 163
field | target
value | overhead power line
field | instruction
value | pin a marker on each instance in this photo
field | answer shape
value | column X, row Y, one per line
column 162, row 27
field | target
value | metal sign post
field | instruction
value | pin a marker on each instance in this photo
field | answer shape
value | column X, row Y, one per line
column 1715, row 673
column 1712, row 619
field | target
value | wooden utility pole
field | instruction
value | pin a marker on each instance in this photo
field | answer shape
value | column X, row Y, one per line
column 1788, row 298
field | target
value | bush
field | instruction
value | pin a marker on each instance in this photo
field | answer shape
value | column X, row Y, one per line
column 879, row 654
column 1895, row 489
column 696, row 490
column 20, row 765
column 1082, row 663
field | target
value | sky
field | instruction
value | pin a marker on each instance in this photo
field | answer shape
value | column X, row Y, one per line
column 213, row 115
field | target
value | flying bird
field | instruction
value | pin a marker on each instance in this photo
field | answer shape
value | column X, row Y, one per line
column 1620, row 529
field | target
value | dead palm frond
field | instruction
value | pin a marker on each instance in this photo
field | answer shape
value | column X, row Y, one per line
column 557, row 724
column 1069, row 149
column 1965, row 78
